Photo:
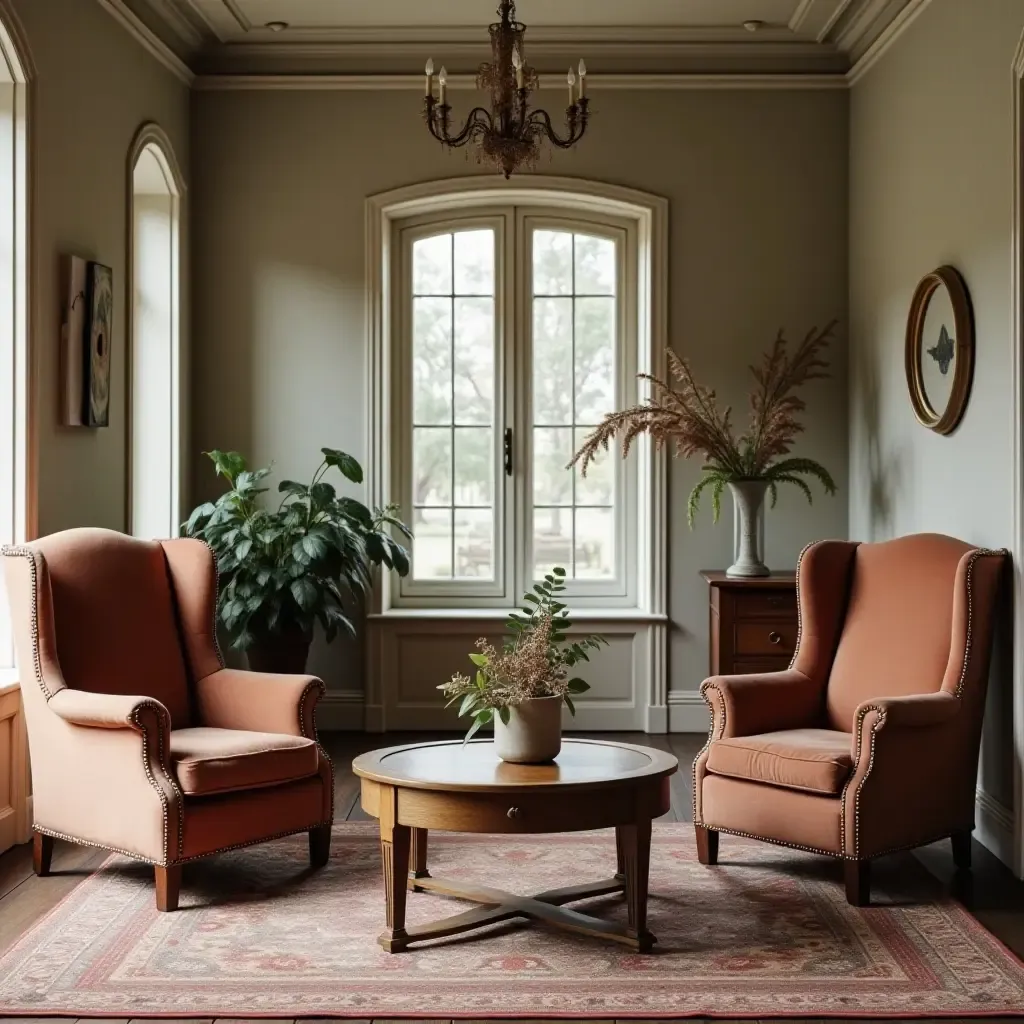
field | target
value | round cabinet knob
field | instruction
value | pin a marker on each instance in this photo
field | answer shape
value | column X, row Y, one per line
column 775, row 638
column 514, row 813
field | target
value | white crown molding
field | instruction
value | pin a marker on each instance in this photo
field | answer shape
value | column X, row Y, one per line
column 156, row 47
column 906, row 17
column 184, row 29
column 406, row 83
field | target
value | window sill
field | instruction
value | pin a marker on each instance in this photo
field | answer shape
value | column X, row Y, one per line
column 489, row 614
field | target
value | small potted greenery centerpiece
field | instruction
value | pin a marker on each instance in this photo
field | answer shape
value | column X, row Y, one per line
column 521, row 689
column 689, row 419
column 283, row 570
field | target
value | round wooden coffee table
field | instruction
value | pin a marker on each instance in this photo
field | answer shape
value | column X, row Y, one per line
column 464, row 787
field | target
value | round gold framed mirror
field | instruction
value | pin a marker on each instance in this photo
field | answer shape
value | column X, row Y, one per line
column 939, row 352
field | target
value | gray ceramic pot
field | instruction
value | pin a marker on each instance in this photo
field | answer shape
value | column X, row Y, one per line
column 533, row 734
column 748, row 497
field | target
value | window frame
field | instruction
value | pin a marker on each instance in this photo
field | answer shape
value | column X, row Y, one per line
column 153, row 139
column 452, row 197
column 439, row 593
column 18, row 477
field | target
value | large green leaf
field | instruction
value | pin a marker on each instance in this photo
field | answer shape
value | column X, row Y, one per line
column 349, row 467
column 227, row 464
column 305, row 593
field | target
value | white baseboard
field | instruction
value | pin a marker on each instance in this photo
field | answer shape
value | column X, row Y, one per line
column 341, row 710
column 995, row 827
column 687, row 712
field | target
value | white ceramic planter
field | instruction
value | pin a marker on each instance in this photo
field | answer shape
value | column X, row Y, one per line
column 533, row 734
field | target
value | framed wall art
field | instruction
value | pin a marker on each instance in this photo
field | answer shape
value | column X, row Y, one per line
column 939, row 350
column 99, row 331
column 73, row 272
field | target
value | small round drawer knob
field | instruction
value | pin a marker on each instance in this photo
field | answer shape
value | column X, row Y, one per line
column 775, row 638
column 514, row 813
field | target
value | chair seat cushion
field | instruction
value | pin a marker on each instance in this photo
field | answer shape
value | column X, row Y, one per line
column 208, row 761
column 816, row 760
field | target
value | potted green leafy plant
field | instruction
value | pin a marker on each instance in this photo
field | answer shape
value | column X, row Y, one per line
column 283, row 570
column 688, row 418
column 521, row 689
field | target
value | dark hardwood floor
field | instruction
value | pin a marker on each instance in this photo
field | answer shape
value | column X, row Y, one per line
column 995, row 896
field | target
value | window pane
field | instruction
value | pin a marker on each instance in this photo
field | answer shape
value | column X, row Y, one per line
column 597, row 487
column 474, row 361
column 552, row 361
column 595, row 359
column 595, row 543
column 432, row 265
column 552, row 263
column 474, row 466
column 595, row 265
column 432, row 466
column 432, row 361
column 474, row 543
column 431, row 544
column 552, row 540
column 474, row 262
column 552, row 450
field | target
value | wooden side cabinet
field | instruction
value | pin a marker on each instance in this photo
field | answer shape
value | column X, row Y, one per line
column 753, row 622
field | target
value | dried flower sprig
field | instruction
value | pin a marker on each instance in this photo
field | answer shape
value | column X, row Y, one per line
column 688, row 418
column 535, row 662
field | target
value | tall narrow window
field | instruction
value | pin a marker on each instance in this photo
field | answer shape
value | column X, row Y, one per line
column 513, row 339
column 14, row 367
column 155, row 344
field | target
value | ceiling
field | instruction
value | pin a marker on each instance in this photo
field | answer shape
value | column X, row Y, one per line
column 641, row 36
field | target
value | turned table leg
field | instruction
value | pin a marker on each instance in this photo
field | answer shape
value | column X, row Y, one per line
column 634, row 842
column 395, row 844
column 418, row 867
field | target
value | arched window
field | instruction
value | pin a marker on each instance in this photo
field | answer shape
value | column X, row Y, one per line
column 154, row 439
column 16, row 505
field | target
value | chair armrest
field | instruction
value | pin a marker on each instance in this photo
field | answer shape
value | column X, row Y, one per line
column 259, row 701
column 746, row 705
column 916, row 710
column 108, row 710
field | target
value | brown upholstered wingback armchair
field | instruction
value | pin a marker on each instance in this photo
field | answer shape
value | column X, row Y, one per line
column 869, row 742
column 141, row 741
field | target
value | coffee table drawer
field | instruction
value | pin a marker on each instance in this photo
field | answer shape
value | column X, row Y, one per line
column 767, row 637
column 531, row 812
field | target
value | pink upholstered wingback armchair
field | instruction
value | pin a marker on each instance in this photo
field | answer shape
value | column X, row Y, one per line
column 141, row 741
column 869, row 742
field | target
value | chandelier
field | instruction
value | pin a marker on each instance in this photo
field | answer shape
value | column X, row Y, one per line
column 510, row 135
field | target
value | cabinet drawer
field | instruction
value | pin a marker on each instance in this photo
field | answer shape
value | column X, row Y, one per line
column 767, row 637
column 765, row 604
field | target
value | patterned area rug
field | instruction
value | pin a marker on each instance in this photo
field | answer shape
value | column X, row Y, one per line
column 767, row 933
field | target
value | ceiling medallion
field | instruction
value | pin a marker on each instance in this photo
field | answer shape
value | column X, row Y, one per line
column 510, row 135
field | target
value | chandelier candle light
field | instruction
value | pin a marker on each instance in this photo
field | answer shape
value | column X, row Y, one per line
column 509, row 135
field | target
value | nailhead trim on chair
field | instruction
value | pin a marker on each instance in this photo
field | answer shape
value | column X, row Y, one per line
column 10, row 551
column 708, row 685
column 99, row 846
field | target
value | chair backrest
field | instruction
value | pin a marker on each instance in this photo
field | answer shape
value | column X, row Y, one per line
column 898, row 629
column 114, row 617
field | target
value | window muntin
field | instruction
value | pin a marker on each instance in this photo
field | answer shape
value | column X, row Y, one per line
column 562, row 353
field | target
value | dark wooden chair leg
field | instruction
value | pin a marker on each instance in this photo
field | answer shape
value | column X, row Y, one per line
column 319, row 846
column 168, row 887
column 858, row 882
column 42, row 853
column 707, row 844
column 961, row 843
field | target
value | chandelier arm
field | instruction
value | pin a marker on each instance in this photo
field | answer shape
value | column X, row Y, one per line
column 478, row 120
column 577, row 123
